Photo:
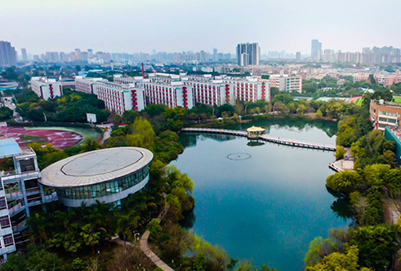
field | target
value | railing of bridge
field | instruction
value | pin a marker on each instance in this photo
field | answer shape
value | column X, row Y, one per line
column 282, row 141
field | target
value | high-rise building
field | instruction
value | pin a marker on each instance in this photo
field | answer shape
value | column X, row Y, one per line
column 24, row 55
column 8, row 55
column 316, row 49
column 90, row 53
column 248, row 54
column 298, row 56
column 78, row 55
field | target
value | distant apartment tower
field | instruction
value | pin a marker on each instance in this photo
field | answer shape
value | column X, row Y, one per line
column 8, row 55
column 316, row 49
column 24, row 55
column 248, row 54
column 46, row 88
column 298, row 56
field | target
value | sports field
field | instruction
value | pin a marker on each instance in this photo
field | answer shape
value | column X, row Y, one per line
column 60, row 137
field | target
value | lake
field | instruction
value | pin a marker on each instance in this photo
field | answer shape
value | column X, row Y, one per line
column 263, row 201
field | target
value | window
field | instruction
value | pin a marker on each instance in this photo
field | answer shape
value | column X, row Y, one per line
column 4, row 222
column 3, row 203
column 8, row 240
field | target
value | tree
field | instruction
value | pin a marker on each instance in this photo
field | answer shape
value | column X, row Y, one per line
column 340, row 152
column 318, row 249
column 154, row 228
column 125, row 224
column 376, row 245
column 90, row 236
column 36, row 258
column 337, row 262
column 343, row 181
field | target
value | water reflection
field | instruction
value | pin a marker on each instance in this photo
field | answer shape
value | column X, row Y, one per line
column 269, row 207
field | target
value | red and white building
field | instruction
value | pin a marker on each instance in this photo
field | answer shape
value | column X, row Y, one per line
column 87, row 85
column 173, row 90
column 46, row 88
column 210, row 91
column 249, row 89
column 167, row 89
column 120, row 97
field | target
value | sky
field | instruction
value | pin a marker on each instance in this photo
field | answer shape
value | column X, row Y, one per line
column 192, row 25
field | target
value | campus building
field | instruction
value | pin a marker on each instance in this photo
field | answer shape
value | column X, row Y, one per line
column 120, row 97
column 249, row 89
column 46, row 88
column 167, row 89
column 87, row 85
column 174, row 90
column 106, row 175
column 385, row 113
column 20, row 193
column 286, row 83
column 209, row 90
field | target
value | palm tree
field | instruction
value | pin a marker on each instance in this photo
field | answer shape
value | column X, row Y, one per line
column 126, row 223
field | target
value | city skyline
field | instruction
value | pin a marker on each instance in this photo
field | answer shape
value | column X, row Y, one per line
column 175, row 26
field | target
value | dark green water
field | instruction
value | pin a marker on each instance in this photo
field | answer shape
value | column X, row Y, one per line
column 268, row 207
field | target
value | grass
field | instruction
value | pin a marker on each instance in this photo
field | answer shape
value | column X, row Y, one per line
column 359, row 101
column 397, row 99
column 30, row 137
column 85, row 132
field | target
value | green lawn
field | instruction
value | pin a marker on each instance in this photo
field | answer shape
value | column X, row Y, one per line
column 397, row 99
column 359, row 101
column 29, row 137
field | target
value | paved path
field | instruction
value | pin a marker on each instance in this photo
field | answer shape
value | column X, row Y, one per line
column 143, row 244
column 342, row 165
column 107, row 132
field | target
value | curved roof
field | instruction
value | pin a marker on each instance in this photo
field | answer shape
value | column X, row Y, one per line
column 95, row 167
column 255, row 129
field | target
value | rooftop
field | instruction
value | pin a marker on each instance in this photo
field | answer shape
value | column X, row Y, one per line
column 96, row 167
column 9, row 147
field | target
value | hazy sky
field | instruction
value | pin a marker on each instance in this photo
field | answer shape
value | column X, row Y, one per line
column 182, row 25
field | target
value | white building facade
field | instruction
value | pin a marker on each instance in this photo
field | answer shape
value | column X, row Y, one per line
column 120, row 97
column 46, row 88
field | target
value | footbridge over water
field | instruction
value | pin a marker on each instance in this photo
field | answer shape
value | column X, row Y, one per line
column 277, row 140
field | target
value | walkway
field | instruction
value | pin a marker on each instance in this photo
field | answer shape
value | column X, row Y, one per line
column 277, row 140
column 143, row 244
column 341, row 165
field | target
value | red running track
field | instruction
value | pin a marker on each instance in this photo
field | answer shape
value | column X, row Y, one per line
column 59, row 138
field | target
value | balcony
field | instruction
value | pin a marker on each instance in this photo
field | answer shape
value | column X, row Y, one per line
column 20, row 226
column 16, row 208
column 12, row 175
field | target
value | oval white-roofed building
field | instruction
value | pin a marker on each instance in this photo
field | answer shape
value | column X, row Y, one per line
column 106, row 175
